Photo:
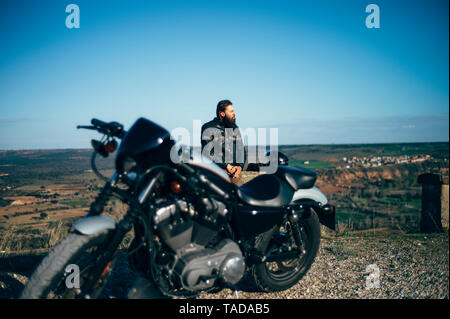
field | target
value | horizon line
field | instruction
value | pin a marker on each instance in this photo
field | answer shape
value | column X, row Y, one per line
column 321, row 144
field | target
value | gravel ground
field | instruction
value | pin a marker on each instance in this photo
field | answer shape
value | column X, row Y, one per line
column 410, row 266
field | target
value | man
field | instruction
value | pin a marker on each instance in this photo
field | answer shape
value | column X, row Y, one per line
column 222, row 134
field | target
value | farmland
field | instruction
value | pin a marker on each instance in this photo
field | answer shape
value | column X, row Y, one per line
column 42, row 192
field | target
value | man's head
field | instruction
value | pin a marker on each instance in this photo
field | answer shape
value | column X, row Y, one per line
column 225, row 113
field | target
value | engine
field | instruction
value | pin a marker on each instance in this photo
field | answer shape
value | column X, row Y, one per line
column 197, row 255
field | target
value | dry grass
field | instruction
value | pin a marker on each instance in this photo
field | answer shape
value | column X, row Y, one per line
column 16, row 239
column 55, row 234
column 6, row 237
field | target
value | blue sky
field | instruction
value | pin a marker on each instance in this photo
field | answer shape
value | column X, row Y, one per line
column 312, row 69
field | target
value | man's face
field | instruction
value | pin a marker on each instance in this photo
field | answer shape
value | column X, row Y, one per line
column 229, row 114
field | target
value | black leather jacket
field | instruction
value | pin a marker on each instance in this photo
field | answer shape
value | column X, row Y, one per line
column 234, row 147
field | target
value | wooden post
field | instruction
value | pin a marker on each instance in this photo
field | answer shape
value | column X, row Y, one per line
column 430, row 221
column 444, row 202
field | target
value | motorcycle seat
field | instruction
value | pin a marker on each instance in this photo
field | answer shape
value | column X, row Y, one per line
column 266, row 190
column 296, row 177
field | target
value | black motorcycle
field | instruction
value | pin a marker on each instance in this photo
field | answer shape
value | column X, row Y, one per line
column 194, row 230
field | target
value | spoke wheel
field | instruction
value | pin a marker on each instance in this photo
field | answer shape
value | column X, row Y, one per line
column 276, row 276
column 56, row 277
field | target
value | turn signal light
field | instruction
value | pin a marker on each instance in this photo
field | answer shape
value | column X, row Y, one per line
column 104, row 149
column 175, row 187
column 99, row 148
column 329, row 209
column 111, row 146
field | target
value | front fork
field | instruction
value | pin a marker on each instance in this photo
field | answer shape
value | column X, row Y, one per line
column 122, row 228
column 107, row 255
column 103, row 197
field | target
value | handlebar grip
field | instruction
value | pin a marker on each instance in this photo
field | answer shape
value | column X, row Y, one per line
column 111, row 128
column 86, row 127
column 97, row 122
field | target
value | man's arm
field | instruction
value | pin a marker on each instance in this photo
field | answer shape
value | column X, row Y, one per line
column 207, row 139
column 240, row 150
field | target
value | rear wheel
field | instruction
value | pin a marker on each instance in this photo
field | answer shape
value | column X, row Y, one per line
column 277, row 276
column 56, row 276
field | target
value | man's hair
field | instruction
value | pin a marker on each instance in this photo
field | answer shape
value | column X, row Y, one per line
column 221, row 106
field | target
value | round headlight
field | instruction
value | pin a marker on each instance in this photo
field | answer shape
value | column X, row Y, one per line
column 128, row 164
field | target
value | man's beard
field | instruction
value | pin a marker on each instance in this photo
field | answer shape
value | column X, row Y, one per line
column 229, row 122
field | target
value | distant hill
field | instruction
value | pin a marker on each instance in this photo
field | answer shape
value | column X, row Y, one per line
column 19, row 166
column 439, row 150
column 42, row 163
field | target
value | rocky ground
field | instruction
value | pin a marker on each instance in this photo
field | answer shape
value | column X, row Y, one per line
column 409, row 266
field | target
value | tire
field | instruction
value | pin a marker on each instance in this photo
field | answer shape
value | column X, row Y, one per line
column 290, row 272
column 49, row 277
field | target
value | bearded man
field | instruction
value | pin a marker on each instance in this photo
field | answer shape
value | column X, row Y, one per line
column 223, row 134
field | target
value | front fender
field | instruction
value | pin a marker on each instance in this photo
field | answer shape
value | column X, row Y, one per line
column 94, row 224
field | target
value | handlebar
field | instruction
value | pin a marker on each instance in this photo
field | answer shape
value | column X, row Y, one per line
column 114, row 129
column 97, row 122
column 88, row 127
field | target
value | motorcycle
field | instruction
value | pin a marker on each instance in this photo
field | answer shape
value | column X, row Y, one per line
column 194, row 230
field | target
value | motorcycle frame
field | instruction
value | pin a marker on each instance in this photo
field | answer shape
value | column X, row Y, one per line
column 300, row 207
column 94, row 222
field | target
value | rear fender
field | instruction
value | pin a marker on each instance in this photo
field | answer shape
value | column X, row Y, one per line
column 316, row 200
column 310, row 193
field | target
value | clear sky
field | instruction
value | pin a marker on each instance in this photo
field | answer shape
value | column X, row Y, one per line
column 312, row 69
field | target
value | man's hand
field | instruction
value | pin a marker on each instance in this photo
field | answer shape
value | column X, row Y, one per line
column 234, row 171
column 231, row 169
column 237, row 172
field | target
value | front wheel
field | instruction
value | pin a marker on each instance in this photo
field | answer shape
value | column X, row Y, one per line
column 277, row 276
column 67, row 270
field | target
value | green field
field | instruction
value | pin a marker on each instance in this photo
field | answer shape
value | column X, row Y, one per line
column 313, row 164
column 387, row 196
column 76, row 203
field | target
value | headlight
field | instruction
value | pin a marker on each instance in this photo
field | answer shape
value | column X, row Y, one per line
column 128, row 164
column 125, row 164
column 132, row 176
